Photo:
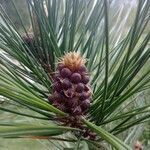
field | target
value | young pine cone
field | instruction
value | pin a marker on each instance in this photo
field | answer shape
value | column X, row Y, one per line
column 71, row 89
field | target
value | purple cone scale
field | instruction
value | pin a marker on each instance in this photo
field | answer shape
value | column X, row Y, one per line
column 66, row 84
column 65, row 72
column 84, row 95
column 71, row 89
column 57, row 86
column 75, row 77
column 80, row 87
column 69, row 93
column 72, row 103
column 82, row 69
column 85, row 104
column 60, row 66
column 85, row 79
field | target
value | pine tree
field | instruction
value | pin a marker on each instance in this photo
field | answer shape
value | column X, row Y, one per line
column 76, row 73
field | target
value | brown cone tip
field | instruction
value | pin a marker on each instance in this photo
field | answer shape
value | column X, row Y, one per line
column 72, row 60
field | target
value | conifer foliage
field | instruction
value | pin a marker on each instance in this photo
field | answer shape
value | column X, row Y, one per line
column 75, row 72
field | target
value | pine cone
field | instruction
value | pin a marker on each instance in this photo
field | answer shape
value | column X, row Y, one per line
column 71, row 91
